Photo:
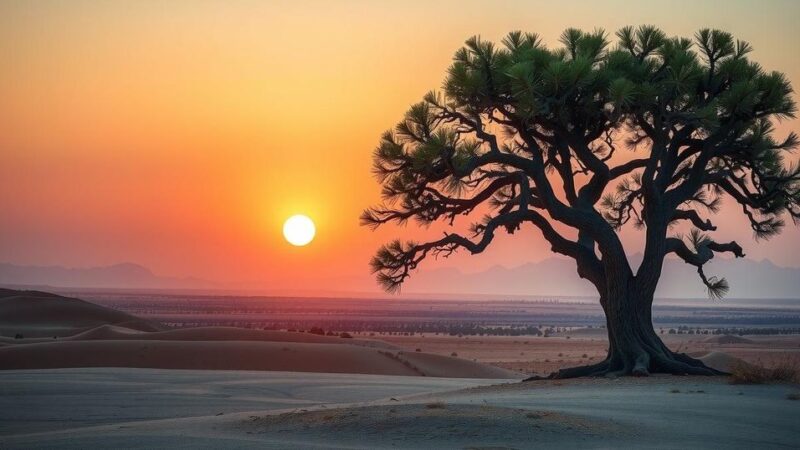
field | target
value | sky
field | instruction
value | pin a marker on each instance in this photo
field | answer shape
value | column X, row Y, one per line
column 180, row 135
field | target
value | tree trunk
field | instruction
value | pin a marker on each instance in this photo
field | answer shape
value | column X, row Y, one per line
column 633, row 346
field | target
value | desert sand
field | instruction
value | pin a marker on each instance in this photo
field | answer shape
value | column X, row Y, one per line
column 95, row 336
column 55, row 332
column 145, row 408
column 104, row 378
column 241, row 355
column 539, row 355
column 40, row 314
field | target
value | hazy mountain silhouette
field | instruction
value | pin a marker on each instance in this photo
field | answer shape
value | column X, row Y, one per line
column 551, row 277
column 125, row 275
column 556, row 276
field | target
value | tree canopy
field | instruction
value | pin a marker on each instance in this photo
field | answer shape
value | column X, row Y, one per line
column 581, row 139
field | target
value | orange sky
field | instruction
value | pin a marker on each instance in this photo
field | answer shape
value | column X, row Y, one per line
column 179, row 136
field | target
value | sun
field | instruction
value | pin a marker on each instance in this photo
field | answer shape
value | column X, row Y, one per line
column 299, row 230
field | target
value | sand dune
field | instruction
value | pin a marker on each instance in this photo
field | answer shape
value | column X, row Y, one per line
column 549, row 414
column 41, row 314
column 285, row 410
column 239, row 355
column 102, row 337
column 117, row 332
column 727, row 339
column 51, row 400
column 720, row 361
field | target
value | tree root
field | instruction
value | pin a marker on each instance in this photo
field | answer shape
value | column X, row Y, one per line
column 644, row 365
column 681, row 364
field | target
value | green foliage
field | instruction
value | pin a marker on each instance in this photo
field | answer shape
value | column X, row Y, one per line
column 699, row 111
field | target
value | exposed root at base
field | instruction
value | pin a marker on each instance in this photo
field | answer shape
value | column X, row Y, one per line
column 673, row 364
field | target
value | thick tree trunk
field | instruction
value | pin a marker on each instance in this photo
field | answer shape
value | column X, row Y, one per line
column 633, row 346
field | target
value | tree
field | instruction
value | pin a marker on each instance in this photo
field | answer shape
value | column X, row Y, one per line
column 583, row 139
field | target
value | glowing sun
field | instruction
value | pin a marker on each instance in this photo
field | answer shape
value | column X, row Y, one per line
column 299, row 230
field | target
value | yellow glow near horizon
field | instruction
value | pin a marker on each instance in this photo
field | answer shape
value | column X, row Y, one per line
column 299, row 230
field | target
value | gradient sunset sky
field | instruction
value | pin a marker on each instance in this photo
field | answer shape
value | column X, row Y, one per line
column 180, row 135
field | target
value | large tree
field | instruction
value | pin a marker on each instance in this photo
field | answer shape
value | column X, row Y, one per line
column 580, row 140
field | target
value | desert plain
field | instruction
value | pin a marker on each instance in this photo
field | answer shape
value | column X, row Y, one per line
column 77, row 374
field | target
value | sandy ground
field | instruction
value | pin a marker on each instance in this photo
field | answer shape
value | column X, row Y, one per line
column 57, row 399
column 96, row 336
column 530, row 354
column 125, row 408
column 35, row 314
column 384, row 395
column 66, row 332
column 338, row 357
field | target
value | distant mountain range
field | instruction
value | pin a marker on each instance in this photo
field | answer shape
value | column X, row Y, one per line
column 125, row 275
column 551, row 277
column 557, row 277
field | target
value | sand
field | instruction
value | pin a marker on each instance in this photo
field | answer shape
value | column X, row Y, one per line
column 240, row 355
column 102, row 337
column 540, row 355
column 728, row 339
column 720, row 361
column 125, row 408
column 61, row 399
column 112, row 332
column 130, row 383
column 118, row 339
column 35, row 314
column 113, row 380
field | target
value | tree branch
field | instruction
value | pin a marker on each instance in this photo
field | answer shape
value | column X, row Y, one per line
column 692, row 216
column 394, row 262
column 704, row 249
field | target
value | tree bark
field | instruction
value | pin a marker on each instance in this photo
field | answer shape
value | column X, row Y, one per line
column 634, row 348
